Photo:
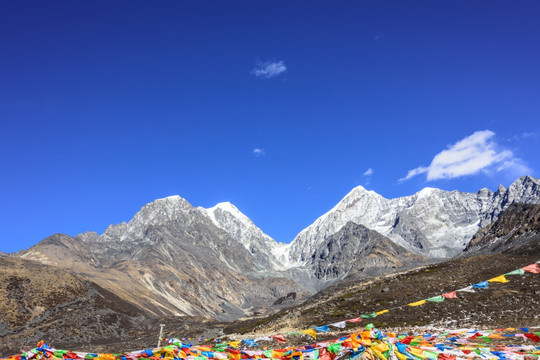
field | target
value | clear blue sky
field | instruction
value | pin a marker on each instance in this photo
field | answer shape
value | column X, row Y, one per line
column 279, row 107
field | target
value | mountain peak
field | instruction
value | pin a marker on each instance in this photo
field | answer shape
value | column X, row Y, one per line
column 432, row 222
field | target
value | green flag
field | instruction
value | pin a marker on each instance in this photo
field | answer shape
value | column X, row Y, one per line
column 516, row 272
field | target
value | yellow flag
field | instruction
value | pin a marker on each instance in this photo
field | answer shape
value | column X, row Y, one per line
column 418, row 303
column 399, row 355
column 234, row 344
column 310, row 332
column 381, row 312
column 500, row 279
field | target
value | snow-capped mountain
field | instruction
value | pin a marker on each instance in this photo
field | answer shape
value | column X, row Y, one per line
column 173, row 258
column 266, row 251
column 433, row 222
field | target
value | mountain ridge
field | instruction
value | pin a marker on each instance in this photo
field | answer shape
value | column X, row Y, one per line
column 184, row 260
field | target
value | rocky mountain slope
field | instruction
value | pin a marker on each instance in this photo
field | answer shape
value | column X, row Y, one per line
column 358, row 252
column 512, row 304
column 516, row 231
column 432, row 222
column 267, row 253
column 170, row 259
column 44, row 302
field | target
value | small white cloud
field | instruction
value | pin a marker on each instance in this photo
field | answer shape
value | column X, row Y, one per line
column 258, row 152
column 475, row 153
column 269, row 69
column 368, row 172
column 527, row 135
column 378, row 37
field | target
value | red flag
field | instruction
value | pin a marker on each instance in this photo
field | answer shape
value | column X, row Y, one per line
column 355, row 320
column 406, row 340
column 279, row 338
column 443, row 356
column 533, row 337
column 450, row 295
column 326, row 355
column 533, row 268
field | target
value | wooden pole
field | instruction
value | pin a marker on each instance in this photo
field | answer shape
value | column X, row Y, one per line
column 160, row 334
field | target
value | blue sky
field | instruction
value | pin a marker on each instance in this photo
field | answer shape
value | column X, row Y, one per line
column 279, row 107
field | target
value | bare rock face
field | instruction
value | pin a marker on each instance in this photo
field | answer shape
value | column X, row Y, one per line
column 432, row 222
column 516, row 231
column 266, row 252
column 356, row 251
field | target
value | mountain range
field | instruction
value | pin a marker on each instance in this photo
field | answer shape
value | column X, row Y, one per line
column 174, row 259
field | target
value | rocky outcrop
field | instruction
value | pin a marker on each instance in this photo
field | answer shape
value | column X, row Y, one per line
column 356, row 251
column 516, row 231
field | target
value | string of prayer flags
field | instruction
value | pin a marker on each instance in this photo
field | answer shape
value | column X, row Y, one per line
column 280, row 338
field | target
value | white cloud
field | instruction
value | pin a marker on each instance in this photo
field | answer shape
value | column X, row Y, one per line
column 258, row 152
column 269, row 69
column 368, row 172
column 475, row 153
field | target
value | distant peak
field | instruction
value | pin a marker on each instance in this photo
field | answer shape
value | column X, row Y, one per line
column 361, row 190
column 227, row 206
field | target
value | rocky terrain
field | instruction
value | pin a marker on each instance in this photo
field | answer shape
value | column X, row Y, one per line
column 512, row 304
column 517, row 231
column 45, row 302
column 358, row 252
